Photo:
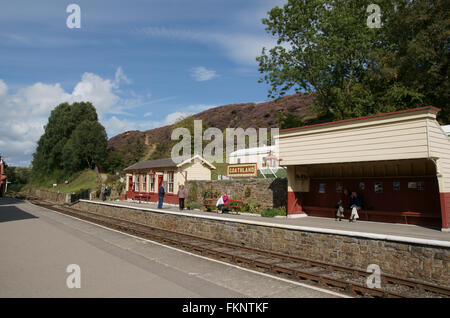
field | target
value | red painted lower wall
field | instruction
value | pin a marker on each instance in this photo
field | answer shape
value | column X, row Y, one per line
column 420, row 205
column 294, row 203
column 445, row 209
column 404, row 199
column 152, row 197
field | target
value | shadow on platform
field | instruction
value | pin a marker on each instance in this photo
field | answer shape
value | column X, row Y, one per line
column 11, row 213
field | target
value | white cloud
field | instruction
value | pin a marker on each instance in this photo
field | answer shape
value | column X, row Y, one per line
column 27, row 111
column 174, row 117
column 242, row 48
column 197, row 108
column 201, row 74
column 99, row 91
column 116, row 126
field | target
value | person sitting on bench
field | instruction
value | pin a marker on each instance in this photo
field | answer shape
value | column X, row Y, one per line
column 355, row 204
column 223, row 201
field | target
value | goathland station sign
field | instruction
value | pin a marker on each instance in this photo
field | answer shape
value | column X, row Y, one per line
column 242, row 170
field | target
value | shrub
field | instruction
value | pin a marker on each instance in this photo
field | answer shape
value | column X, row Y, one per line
column 209, row 194
column 250, row 206
column 248, row 192
column 270, row 213
column 192, row 193
column 194, row 205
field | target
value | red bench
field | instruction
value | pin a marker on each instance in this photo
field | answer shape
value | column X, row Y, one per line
column 405, row 217
column 233, row 204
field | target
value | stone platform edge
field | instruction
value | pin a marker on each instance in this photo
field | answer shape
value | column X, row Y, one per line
column 376, row 236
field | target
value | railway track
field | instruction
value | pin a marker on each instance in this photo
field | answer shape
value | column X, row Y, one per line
column 346, row 280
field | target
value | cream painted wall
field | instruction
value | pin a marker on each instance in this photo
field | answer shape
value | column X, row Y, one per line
column 381, row 138
column 440, row 148
column 197, row 171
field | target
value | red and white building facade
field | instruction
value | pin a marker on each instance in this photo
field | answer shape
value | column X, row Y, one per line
column 144, row 178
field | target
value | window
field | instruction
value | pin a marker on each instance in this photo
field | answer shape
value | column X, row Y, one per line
column 144, row 183
column 136, row 183
column 152, row 183
column 170, row 181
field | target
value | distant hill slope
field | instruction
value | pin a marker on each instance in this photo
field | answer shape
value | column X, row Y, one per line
column 152, row 144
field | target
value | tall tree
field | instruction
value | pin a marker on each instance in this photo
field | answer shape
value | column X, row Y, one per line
column 63, row 121
column 86, row 147
column 326, row 47
column 415, row 71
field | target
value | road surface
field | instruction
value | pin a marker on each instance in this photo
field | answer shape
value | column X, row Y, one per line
column 38, row 244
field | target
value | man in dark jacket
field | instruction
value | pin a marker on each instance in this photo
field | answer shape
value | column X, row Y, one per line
column 161, row 193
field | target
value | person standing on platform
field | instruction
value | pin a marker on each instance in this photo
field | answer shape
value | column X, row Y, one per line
column 181, row 197
column 161, row 193
column 103, row 192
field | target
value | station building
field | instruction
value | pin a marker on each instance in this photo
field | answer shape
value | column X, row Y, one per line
column 144, row 178
column 398, row 162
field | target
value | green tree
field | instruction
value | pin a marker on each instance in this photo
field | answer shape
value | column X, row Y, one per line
column 415, row 70
column 114, row 162
column 326, row 47
column 56, row 142
column 289, row 120
column 323, row 46
column 86, row 147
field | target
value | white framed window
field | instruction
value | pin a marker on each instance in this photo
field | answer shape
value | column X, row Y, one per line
column 170, row 180
column 144, row 183
column 152, row 183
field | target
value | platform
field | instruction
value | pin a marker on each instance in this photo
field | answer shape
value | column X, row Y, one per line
column 373, row 230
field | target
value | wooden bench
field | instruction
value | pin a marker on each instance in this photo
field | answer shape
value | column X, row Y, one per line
column 405, row 217
column 142, row 196
column 232, row 204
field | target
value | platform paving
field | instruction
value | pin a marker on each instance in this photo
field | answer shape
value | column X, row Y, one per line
column 37, row 245
column 319, row 223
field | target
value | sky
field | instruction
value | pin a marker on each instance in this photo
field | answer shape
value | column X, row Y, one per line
column 142, row 63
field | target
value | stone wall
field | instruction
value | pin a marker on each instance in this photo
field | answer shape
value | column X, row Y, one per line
column 421, row 262
column 269, row 193
column 57, row 197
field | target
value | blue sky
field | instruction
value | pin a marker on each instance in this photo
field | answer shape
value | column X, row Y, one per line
column 142, row 63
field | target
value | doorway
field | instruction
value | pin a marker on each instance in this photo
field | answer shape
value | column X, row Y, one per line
column 130, row 183
column 160, row 181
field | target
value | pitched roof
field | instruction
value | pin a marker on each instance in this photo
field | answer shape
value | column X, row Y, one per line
column 159, row 163
column 165, row 163
column 364, row 117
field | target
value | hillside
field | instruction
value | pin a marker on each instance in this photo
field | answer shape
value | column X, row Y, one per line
column 132, row 146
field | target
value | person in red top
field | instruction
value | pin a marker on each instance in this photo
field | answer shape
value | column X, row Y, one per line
column 223, row 201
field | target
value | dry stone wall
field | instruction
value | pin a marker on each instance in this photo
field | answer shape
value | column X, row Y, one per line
column 269, row 193
column 57, row 197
